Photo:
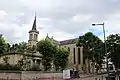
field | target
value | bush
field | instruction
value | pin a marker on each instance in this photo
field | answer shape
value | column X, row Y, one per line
column 9, row 67
column 35, row 68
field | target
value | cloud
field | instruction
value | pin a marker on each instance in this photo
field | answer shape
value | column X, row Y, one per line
column 2, row 15
column 81, row 18
column 62, row 19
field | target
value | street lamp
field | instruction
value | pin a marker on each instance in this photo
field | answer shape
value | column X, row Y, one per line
column 102, row 24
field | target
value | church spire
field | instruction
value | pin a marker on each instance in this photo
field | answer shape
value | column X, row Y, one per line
column 34, row 24
column 47, row 34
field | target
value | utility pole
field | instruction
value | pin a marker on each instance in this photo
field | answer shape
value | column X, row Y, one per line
column 105, row 47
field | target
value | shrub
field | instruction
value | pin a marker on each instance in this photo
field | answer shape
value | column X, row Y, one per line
column 9, row 67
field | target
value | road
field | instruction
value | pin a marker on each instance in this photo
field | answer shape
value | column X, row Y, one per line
column 99, row 77
column 92, row 78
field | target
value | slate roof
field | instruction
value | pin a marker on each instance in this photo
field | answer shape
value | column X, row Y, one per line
column 56, row 42
column 34, row 24
column 51, row 39
column 34, row 29
column 69, row 41
column 64, row 42
column 47, row 38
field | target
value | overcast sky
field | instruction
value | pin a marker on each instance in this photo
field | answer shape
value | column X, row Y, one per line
column 62, row 19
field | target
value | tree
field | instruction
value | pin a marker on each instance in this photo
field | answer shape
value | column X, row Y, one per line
column 2, row 45
column 19, row 47
column 22, row 47
column 52, row 54
column 113, row 48
column 93, row 48
column 61, row 59
column 45, row 47
column 14, row 48
column 7, row 47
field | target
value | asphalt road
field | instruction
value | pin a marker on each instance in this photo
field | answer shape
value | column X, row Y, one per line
column 99, row 77
column 92, row 78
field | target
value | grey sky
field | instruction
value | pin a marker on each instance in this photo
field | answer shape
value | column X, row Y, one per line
column 62, row 19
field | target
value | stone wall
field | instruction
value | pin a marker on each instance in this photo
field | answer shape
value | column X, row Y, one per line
column 7, row 75
column 28, row 75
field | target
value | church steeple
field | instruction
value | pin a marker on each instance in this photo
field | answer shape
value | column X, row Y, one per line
column 34, row 24
column 33, row 34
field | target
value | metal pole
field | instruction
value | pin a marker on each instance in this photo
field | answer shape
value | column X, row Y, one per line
column 105, row 48
column 53, row 66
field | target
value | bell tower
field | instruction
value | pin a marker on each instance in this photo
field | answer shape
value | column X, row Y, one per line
column 33, row 35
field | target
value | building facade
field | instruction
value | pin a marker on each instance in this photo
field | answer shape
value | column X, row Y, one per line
column 76, row 56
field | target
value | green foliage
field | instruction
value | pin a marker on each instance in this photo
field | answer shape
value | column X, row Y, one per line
column 9, row 67
column 46, row 61
column 21, row 47
column 52, row 53
column 14, row 48
column 113, row 48
column 34, row 68
column 45, row 47
column 7, row 47
column 61, row 58
column 93, row 47
column 2, row 45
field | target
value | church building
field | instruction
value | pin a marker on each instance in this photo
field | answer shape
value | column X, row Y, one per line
column 76, row 56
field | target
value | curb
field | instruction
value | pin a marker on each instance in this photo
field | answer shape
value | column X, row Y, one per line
column 90, row 76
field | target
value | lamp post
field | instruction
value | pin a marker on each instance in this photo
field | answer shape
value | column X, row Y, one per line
column 102, row 24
